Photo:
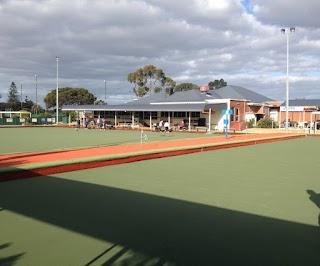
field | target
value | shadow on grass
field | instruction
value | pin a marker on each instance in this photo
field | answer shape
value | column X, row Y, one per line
column 315, row 198
column 11, row 260
column 156, row 230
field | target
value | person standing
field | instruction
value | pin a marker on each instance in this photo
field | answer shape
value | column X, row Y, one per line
column 78, row 124
column 166, row 126
column 160, row 125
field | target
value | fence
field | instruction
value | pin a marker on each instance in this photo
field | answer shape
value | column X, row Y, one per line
column 34, row 120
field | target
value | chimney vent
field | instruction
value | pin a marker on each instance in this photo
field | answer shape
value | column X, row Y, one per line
column 204, row 88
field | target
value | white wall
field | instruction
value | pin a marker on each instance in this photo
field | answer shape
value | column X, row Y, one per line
column 251, row 116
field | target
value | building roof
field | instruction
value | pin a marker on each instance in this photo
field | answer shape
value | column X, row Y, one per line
column 303, row 102
column 227, row 92
column 239, row 93
column 190, row 101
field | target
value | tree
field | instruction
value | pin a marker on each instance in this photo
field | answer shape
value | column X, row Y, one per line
column 13, row 95
column 100, row 102
column 168, row 84
column 27, row 105
column 217, row 84
column 145, row 79
column 69, row 96
column 186, row 87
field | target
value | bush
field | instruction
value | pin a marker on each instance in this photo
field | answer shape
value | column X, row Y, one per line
column 251, row 123
column 266, row 123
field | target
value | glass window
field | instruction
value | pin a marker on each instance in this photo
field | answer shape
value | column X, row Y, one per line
column 236, row 115
column 179, row 114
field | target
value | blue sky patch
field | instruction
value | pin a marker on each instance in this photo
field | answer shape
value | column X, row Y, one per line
column 248, row 6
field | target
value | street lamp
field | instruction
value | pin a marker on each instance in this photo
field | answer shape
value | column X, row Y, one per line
column 105, row 92
column 36, row 111
column 57, row 92
column 287, row 32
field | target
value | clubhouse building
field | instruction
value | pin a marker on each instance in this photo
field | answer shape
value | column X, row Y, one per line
column 201, row 109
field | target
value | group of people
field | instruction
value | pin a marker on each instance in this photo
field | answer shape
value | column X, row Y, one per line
column 164, row 125
column 101, row 123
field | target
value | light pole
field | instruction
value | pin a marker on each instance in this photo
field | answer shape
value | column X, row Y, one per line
column 287, row 32
column 57, row 92
column 21, row 97
column 36, row 111
column 105, row 92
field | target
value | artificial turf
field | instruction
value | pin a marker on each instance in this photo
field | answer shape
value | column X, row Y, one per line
column 241, row 206
column 19, row 140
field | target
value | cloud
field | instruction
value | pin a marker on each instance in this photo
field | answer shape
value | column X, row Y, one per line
column 191, row 40
column 288, row 13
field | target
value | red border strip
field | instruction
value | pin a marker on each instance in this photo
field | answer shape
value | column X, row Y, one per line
column 14, row 175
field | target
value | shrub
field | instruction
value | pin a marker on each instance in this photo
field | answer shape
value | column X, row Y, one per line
column 266, row 123
column 251, row 123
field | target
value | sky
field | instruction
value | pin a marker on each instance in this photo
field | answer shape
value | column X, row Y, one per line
column 194, row 41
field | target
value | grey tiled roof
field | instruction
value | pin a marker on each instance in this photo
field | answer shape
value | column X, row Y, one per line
column 303, row 102
column 227, row 92
column 240, row 93
column 181, row 101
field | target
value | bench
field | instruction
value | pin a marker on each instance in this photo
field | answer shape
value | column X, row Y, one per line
column 201, row 128
column 230, row 129
column 124, row 124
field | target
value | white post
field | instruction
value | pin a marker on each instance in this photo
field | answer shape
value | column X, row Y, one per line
column 287, row 32
column 105, row 92
column 57, row 93
column 209, row 126
column 36, row 111
column 150, row 121
column 21, row 97
column 279, row 118
column 132, row 120
column 287, row 87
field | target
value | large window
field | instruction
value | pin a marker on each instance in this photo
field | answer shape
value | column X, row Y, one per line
column 179, row 114
column 195, row 114
column 154, row 115
column 165, row 114
column 235, row 117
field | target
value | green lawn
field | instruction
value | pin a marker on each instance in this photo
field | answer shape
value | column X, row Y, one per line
column 240, row 206
column 16, row 140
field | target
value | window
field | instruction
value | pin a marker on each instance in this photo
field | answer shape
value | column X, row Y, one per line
column 164, row 114
column 154, row 115
column 179, row 114
column 195, row 114
column 236, row 114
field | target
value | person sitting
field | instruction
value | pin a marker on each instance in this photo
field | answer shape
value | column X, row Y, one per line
column 183, row 125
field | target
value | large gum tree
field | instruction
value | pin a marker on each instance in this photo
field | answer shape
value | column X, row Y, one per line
column 149, row 79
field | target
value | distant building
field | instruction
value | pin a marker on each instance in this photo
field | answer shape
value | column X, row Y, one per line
column 302, row 111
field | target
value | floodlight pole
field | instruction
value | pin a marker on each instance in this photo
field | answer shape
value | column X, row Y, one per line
column 57, row 93
column 36, row 111
column 105, row 92
column 287, row 32
column 21, row 97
